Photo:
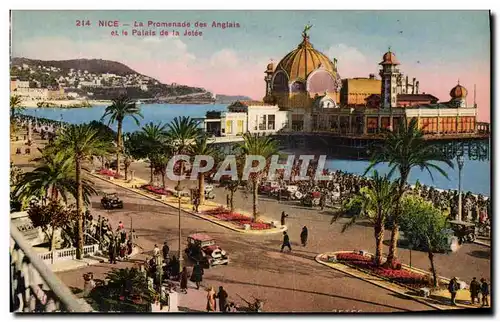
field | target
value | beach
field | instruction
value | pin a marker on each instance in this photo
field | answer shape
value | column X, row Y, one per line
column 64, row 103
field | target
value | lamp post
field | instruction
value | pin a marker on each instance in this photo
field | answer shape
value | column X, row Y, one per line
column 179, row 189
column 460, row 162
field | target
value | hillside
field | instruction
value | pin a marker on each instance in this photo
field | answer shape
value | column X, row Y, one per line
column 228, row 99
column 96, row 66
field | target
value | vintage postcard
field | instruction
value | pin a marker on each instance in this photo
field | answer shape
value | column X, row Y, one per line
column 250, row 161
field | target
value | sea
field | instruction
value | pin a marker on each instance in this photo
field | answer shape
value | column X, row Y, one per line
column 476, row 174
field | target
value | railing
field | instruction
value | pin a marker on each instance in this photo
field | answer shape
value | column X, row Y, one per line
column 33, row 286
column 66, row 253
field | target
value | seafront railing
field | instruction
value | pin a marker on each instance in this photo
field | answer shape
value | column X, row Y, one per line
column 33, row 286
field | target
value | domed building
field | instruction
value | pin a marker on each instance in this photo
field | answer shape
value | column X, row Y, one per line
column 300, row 79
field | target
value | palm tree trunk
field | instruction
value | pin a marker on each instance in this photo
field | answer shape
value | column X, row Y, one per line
column 231, row 198
column 119, row 146
column 395, row 218
column 52, row 239
column 126, row 165
column 163, row 174
column 201, row 187
column 79, row 208
column 379, row 238
column 433, row 268
column 255, row 199
column 151, row 173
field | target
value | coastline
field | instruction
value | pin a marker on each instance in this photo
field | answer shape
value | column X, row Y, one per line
column 64, row 103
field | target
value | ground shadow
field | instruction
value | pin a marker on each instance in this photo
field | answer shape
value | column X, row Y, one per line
column 485, row 254
column 218, row 279
column 75, row 290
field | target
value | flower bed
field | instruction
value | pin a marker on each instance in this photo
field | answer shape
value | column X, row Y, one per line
column 156, row 190
column 238, row 219
column 109, row 173
column 401, row 275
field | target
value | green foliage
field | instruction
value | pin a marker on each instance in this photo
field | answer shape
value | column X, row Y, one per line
column 55, row 177
column 104, row 131
column 181, row 132
column 121, row 107
column 15, row 105
column 424, row 225
column 126, row 290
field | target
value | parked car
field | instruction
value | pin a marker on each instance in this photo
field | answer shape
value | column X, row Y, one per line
column 209, row 192
column 203, row 249
column 465, row 231
column 268, row 187
column 111, row 201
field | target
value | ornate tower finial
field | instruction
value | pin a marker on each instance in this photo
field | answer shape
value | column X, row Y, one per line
column 389, row 49
column 306, row 29
column 458, row 81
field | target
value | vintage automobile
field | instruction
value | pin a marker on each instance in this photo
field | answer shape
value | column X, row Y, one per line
column 203, row 249
column 290, row 193
column 111, row 201
column 268, row 187
column 465, row 231
column 209, row 192
column 311, row 199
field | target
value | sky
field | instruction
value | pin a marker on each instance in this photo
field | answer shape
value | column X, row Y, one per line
column 439, row 48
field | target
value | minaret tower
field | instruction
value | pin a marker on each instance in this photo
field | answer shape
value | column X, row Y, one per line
column 389, row 74
column 268, row 78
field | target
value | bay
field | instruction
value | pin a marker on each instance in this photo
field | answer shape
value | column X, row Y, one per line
column 475, row 174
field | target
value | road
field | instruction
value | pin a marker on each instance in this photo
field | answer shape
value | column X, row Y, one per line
column 289, row 282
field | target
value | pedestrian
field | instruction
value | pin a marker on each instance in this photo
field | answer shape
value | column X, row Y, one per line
column 474, row 289
column 197, row 275
column 184, row 280
column 123, row 235
column 286, row 242
column 283, row 216
column 156, row 253
column 303, row 236
column 210, row 299
column 112, row 252
column 231, row 307
column 453, row 289
column 222, row 296
column 174, row 267
column 129, row 247
column 120, row 226
column 196, row 203
column 165, row 250
column 485, row 292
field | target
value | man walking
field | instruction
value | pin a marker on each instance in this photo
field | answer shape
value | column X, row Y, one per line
column 197, row 275
column 286, row 242
column 453, row 288
column 156, row 254
column 474, row 288
column 165, row 250
column 112, row 252
column 485, row 292
column 303, row 236
column 222, row 296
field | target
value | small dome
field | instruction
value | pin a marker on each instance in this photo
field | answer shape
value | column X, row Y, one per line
column 458, row 92
column 270, row 67
column 389, row 58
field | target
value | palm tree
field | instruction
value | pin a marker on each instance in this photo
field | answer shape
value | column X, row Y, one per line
column 374, row 202
column 265, row 146
column 54, row 178
column 81, row 142
column 404, row 150
column 15, row 105
column 148, row 143
column 201, row 146
column 121, row 107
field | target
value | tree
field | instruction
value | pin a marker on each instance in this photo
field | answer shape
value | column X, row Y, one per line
column 403, row 150
column 375, row 202
column 149, row 142
column 51, row 217
column 15, row 105
column 121, row 108
column 55, row 178
column 265, row 146
column 81, row 142
column 126, row 290
column 201, row 146
column 425, row 227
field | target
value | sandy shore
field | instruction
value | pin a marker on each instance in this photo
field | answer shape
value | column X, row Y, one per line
column 64, row 103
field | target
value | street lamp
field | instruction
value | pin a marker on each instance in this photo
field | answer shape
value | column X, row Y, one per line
column 178, row 188
column 460, row 162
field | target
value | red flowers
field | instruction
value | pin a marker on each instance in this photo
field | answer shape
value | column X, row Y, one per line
column 157, row 190
column 109, row 173
column 400, row 275
column 236, row 218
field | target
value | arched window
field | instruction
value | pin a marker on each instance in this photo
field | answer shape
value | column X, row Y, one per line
column 280, row 82
column 321, row 81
